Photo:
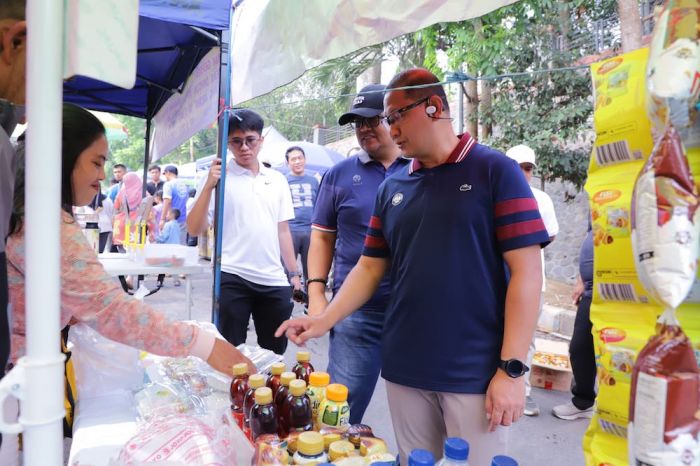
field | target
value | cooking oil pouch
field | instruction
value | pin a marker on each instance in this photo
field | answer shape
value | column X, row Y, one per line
column 665, row 400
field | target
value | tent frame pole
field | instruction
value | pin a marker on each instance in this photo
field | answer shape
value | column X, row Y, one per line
column 146, row 156
column 225, row 93
column 42, row 410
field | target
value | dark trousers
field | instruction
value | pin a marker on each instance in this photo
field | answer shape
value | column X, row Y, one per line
column 269, row 306
column 582, row 357
column 104, row 236
column 301, row 240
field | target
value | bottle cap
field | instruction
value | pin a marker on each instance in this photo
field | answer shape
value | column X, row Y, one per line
column 337, row 392
column 287, row 377
column 328, row 439
column 420, row 457
column 310, row 443
column 240, row 369
column 277, row 368
column 502, row 460
column 297, row 387
column 256, row 381
column 303, row 356
column 319, row 379
column 263, row 396
column 340, row 449
column 456, row 449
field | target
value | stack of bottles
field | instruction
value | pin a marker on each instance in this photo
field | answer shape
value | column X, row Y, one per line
column 299, row 417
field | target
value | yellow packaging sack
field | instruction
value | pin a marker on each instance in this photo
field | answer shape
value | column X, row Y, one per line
column 623, row 314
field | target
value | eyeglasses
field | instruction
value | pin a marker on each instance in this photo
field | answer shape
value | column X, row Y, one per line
column 251, row 142
column 396, row 115
column 371, row 122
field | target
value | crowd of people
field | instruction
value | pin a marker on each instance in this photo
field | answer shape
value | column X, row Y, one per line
column 434, row 242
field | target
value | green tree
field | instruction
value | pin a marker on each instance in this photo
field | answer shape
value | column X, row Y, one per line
column 549, row 111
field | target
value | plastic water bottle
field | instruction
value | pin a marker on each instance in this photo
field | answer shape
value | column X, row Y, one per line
column 502, row 460
column 420, row 457
column 455, row 452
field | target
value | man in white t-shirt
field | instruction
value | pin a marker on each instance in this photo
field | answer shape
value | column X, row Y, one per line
column 257, row 208
column 525, row 157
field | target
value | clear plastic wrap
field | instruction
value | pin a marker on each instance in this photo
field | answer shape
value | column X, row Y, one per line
column 262, row 358
column 102, row 365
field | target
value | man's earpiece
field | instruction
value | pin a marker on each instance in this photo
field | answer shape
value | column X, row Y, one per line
column 430, row 110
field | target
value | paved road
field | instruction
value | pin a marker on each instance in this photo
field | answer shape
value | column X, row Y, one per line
column 537, row 441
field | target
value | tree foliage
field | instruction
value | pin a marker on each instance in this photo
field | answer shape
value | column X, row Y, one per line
column 549, row 111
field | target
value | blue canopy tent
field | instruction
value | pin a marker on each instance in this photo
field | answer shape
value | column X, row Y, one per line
column 172, row 39
column 171, row 42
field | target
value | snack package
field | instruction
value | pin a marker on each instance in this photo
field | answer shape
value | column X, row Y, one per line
column 665, row 228
column 622, row 128
column 673, row 71
column 665, row 400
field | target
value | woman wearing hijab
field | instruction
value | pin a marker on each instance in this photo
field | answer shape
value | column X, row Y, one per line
column 130, row 209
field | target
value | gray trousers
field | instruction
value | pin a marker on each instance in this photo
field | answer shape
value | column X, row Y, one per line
column 424, row 419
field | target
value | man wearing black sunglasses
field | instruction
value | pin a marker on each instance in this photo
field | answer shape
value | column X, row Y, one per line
column 456, row 332
column 342, row 212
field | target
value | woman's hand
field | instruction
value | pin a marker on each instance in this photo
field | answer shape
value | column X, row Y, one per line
column 224, row 356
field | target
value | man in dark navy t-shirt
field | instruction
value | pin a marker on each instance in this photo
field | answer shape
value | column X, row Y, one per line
column 341, row 217
column 456, row 332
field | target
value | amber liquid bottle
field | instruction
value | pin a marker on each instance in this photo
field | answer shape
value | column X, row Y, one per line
column 238, row 389
column 263, row 415
column 281, row 396
column 303, row 367
column 296, row 415
column 255, row 381
column 273, row 381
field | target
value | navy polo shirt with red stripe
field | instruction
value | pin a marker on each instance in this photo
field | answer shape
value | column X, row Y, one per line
column 445, row 230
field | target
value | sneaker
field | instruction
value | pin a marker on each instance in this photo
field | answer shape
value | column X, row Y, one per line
column 569, row 412
column 531, row 408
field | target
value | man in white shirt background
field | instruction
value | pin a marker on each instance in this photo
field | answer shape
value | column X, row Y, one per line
column 525, row 157
column 257, row 208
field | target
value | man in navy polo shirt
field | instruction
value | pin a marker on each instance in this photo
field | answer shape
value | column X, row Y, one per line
column 456, row 332
column 342, row 213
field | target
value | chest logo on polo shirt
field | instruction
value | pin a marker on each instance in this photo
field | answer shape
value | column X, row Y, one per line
column 397, row 199
column 356, row 180
column 465, row 187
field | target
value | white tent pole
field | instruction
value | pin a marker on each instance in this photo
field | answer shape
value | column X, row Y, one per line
column 42, row 408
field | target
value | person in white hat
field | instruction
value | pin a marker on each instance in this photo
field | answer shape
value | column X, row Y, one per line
column 525, row 157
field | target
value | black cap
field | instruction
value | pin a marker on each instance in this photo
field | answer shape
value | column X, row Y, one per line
column 170, row 169
column 367, row 104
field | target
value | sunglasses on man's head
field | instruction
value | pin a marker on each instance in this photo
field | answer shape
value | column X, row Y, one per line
column 371, row 122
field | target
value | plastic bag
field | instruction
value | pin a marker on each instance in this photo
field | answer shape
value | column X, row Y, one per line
column 102, row 365
column 261, row 357
column 664, row 427
column 665, row 227
column 674, row 65
column 187, row 440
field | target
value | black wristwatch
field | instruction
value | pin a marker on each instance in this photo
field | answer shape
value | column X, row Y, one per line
column 513, row 367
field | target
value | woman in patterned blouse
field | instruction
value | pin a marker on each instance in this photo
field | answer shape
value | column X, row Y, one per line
column 88, row 293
